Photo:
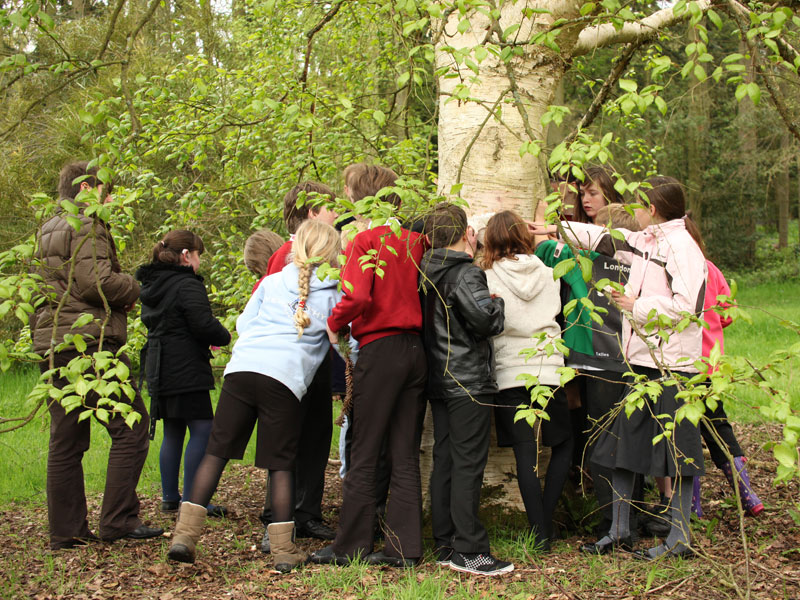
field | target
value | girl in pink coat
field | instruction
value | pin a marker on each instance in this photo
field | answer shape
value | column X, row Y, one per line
column 667, row 281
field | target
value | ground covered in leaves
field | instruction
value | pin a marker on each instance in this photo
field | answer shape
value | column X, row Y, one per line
column 230, row 565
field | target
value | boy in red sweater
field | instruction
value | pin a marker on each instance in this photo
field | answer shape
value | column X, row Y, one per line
column 389, row 379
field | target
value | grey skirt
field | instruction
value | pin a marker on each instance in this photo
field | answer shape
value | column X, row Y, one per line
column 627, row 443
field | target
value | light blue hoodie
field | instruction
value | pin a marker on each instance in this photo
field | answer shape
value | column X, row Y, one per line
column 268, row 342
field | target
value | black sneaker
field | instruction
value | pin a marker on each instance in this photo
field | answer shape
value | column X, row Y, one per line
column 479, row 564
column 443, row 555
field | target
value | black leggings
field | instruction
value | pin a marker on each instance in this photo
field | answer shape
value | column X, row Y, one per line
column 281, row 487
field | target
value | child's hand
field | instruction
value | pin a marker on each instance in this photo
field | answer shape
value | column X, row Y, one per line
column 332, row 335
column 541, row 228
column 624, row 302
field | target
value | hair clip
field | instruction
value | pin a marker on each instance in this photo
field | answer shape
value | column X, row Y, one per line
column 302, row 304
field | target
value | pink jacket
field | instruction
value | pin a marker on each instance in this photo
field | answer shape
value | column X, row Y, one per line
column 715, row 286
column 668, row 276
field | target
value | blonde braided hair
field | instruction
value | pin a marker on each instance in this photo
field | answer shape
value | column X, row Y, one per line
column 301, row 318
column 315, row 243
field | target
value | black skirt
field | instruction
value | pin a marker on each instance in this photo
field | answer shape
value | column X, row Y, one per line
column 246, row 399
column 189, row 406
column 627, row 443
column 555, row 431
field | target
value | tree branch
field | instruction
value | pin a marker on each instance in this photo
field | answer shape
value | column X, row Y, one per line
column 606, row 34
column 769, row 82
column 112, row 23
column 601, row 97
column 310, row 37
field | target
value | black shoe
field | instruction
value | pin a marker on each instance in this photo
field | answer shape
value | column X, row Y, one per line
column 326, row 556
column 216, row 512
column 143, row 532
column 168, row 506
column 76, row 541
column 443, row 555
column 658, row 526
column 379, row 558
column 607, row 547
column 685, row 553
column 314, row 528
column 482, row 563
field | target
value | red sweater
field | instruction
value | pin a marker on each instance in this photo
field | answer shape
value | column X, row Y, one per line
column 276, row 262
column 279, row 259
column 380, row 306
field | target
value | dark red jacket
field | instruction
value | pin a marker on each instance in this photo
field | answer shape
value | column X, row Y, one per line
column 382, row 300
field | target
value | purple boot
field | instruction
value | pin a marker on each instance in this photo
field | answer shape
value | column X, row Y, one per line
column 696, row 508
column 750, row 502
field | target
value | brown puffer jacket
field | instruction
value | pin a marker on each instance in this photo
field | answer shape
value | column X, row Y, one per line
column 96, row 274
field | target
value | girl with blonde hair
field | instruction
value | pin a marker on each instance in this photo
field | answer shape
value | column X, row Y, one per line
column 282, row 341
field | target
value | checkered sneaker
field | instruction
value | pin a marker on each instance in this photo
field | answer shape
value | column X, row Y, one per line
column 479, row 564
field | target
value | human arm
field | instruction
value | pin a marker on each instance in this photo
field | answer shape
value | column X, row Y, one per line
column 197, row 311
column 357, row 282
column 97, row 274
column 685, row 273
column 483, row 314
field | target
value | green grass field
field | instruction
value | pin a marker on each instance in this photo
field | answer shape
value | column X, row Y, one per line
column 23, row 453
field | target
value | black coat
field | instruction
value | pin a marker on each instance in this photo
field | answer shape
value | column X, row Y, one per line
column 180, row 329
column 459, row 317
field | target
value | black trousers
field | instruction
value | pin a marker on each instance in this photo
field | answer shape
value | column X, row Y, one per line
column 461, row 428
column 314, row 448
column 601, row 391
column 719, row 422
column 388, row 380
column 69, row 440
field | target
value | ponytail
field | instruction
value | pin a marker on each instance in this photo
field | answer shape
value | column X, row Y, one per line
column 694, row 231
column 169, row 249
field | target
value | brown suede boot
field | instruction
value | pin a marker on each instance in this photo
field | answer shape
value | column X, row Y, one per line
column 287, row 556
column 187, row 531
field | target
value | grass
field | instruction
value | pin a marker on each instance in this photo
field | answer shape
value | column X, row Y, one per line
column 774, row 308
column 23, row 457
column 23, row 452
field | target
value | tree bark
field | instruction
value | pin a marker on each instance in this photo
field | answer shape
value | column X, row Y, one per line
column 748, row 136
column 480, row 137
column 782, row 197
column 698, row 132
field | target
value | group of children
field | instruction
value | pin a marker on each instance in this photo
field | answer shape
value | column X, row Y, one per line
column 465, row 321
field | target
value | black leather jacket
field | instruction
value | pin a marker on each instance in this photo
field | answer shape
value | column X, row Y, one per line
column 459, row 317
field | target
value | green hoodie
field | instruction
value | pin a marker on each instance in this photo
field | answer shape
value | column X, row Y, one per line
column 577, row 332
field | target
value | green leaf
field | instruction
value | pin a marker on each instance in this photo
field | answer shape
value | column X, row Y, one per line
column 562, row 268
column 754, row 92
column 463, row 25
column 785, row 454
column 84, row 319
column 628, row 85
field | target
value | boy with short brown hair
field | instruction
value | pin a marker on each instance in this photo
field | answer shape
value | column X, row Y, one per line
column 389, row 379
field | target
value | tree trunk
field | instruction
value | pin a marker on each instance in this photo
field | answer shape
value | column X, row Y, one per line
column 748, row 136
column 698, row 132
column 480, row 137
column 782, row 197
